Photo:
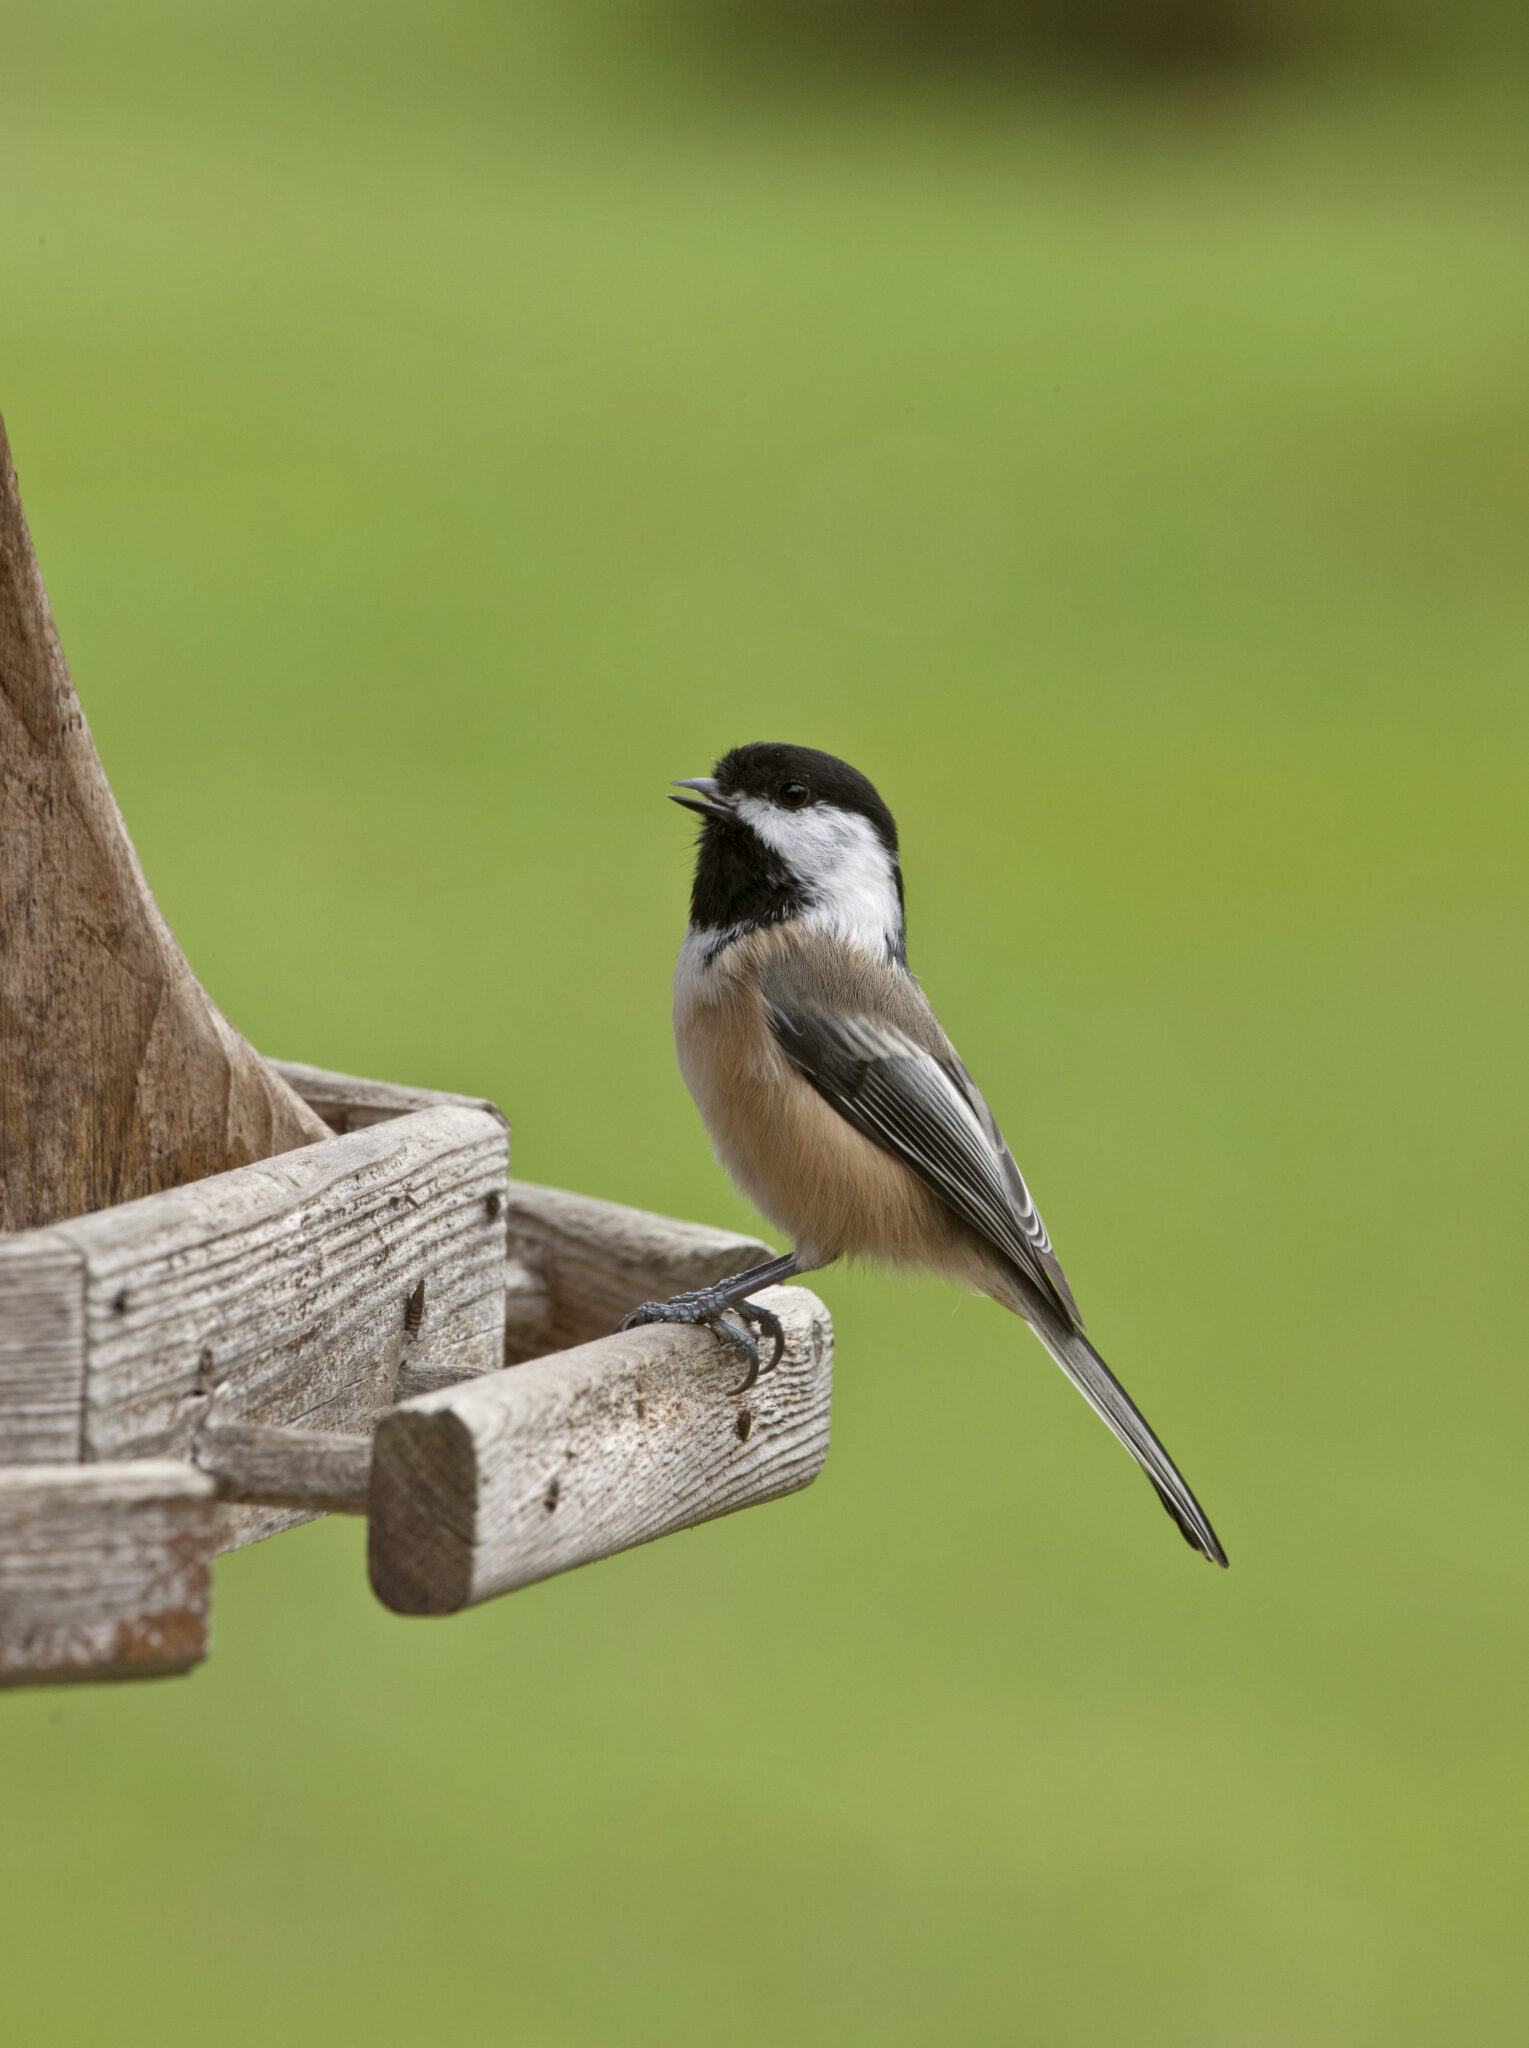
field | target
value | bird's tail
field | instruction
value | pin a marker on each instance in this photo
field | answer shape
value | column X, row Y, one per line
column 1115, row 1408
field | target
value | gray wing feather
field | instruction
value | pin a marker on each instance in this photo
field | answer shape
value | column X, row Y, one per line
column 1024, row 1211
column 927, row 1113
column 920, row 1109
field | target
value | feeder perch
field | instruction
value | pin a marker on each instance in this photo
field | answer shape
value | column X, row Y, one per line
column 361, row 1313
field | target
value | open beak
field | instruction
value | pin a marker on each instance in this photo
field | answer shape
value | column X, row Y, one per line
column 708, row 801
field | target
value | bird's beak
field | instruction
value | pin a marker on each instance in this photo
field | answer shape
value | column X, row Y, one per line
column 712, row 803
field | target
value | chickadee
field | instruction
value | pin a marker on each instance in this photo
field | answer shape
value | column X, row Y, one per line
column 832, row 1095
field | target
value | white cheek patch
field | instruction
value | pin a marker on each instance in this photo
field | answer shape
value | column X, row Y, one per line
column 843, row 867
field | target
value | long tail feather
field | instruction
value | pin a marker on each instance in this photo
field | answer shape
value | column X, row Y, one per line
column 1115, row 1408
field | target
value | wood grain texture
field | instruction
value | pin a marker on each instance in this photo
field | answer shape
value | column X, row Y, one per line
column 42, row 1349
column 118, row 1074
column 600, row 1259
column 284, row 1289
column 324, row 1470
column 347, row 1102
column 104, row 1570
column 576, row 1265
column 520, row 1474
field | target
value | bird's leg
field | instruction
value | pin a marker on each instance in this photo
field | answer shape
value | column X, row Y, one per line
column 709, row 1305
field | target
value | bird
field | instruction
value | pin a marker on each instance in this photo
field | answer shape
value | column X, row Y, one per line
column 830, row 1091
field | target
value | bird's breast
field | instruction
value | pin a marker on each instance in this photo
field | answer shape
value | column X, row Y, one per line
column 817, row 1179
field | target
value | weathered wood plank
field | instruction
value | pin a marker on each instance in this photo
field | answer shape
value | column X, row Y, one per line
column 292, row 1289
column 286, row 1287
column 347, row 1102
column 104, row 1570
column 600, row 1259
column 576, row 1264
column 323, row 1470
column 42, row 1349
column 519, row 1474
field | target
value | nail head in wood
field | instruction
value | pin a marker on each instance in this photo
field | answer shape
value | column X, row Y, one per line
column 414, row 1311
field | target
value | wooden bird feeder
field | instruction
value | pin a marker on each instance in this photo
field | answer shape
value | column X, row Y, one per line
column 236, row 1293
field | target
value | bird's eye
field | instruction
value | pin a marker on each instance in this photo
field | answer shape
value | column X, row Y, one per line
column 793, row 795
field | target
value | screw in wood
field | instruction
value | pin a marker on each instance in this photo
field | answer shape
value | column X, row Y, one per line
column 414, row 1312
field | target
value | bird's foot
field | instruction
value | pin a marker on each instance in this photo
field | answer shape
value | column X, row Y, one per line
column 709, row 1309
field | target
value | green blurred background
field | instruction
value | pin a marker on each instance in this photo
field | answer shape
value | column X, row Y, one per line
column 440, row 425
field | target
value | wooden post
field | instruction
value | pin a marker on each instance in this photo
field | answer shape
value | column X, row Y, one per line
column 327, row 1471
column 118, row 1074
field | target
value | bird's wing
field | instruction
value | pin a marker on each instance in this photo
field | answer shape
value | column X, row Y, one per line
column 1025, row 1212
column 925, row 1112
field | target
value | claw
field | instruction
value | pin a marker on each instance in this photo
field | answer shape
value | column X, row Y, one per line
column 700, row 1309
column 683, row 1308
column 645, row 1312
column 768, row 1324
column 743, row 1344
column 746, row 1348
